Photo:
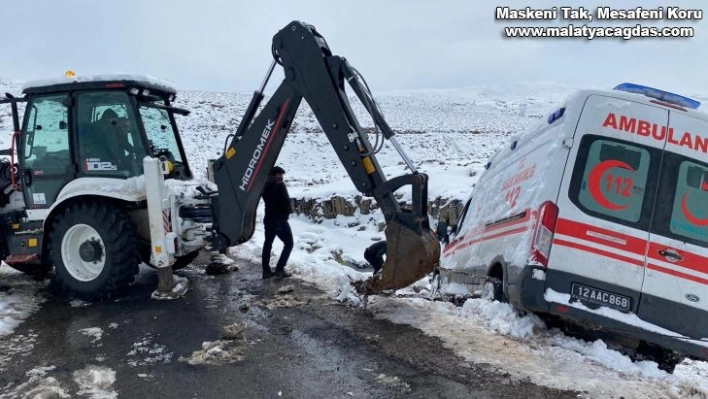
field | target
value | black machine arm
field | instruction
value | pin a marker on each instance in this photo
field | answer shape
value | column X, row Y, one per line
column 313, row 73
column 13, row 101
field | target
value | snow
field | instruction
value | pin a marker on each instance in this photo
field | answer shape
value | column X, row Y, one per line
column 148, row 353
column 109, row 77
column 96, row 382
column 96, row 333
column 18, row 298
column 179, row 288
column 223, row 351
column 449, row 134
column 39, row 385
column 216, row 353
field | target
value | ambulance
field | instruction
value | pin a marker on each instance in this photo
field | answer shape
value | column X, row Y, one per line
column 597, row 220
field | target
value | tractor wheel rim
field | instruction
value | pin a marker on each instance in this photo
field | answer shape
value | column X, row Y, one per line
column 70, row 253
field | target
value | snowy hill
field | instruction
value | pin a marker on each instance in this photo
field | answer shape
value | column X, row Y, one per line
column 12, row 87
column 447, row 133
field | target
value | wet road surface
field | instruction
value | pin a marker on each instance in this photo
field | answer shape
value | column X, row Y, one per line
column 296, row 343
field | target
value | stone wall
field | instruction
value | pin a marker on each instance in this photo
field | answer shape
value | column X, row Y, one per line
column 440, row 208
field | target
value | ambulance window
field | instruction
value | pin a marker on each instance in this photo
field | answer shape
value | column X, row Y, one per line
column 610, row 180
column 682, row 206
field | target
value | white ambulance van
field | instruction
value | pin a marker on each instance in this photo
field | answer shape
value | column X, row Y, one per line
column 598, row 218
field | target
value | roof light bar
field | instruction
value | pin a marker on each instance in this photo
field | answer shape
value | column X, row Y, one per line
column 660, row 95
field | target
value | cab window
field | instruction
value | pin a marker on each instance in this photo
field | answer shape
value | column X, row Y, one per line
column 109, row 140
column 46, row 139
column 160, row 135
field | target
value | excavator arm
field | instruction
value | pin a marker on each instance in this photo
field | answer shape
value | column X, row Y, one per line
column 313, row 73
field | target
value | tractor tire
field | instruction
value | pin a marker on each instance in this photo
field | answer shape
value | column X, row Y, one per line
column 493, row 290
column 94, row 248
column 34, row 270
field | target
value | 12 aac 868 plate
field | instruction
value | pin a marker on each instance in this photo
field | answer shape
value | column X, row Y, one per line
column 600, row 297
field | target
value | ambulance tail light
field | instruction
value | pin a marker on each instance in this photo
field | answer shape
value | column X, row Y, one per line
column 543, row 235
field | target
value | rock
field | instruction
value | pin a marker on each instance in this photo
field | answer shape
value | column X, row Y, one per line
column 233, row 331
column 286, row 289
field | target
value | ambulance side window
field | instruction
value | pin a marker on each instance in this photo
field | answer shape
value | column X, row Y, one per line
column 612, row 180
column 682, row 205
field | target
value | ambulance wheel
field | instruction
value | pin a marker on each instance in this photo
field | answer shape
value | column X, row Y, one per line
column 94, row 248
column 492, row 290
column 666, row 359
column 31, row 269
column 669, row 362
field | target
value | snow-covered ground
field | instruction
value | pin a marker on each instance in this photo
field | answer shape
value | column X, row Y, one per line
column 448, row 134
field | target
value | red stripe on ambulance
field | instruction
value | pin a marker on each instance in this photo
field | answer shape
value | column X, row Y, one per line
column 601, row 236
column 597, row 251
column 690, row 260
column 464, row 242
column 678, row 274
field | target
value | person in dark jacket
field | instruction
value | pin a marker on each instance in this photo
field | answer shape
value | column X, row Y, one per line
column 374, row 254
column 277, row 211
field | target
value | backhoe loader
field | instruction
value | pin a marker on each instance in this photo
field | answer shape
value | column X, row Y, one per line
column 95, row 213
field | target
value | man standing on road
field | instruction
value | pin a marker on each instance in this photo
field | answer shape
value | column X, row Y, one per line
column 277, row 211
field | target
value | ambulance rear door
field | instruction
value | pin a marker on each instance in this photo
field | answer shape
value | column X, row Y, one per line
column 675, row 290
column 605, row 203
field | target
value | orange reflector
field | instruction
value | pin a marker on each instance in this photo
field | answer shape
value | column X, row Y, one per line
column 158, row 250
column 32, row 242
column 15, row 226
column 230, row 153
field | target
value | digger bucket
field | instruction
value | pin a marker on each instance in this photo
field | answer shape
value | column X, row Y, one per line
column 412, row 249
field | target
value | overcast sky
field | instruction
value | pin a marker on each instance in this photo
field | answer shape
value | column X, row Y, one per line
column 224, row 45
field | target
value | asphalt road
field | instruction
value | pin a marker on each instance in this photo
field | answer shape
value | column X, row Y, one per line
column 294, row 344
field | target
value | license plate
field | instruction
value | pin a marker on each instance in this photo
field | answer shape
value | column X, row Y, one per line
column 600, row 297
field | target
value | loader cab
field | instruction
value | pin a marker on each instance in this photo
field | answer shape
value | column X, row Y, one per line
column 98, row 127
